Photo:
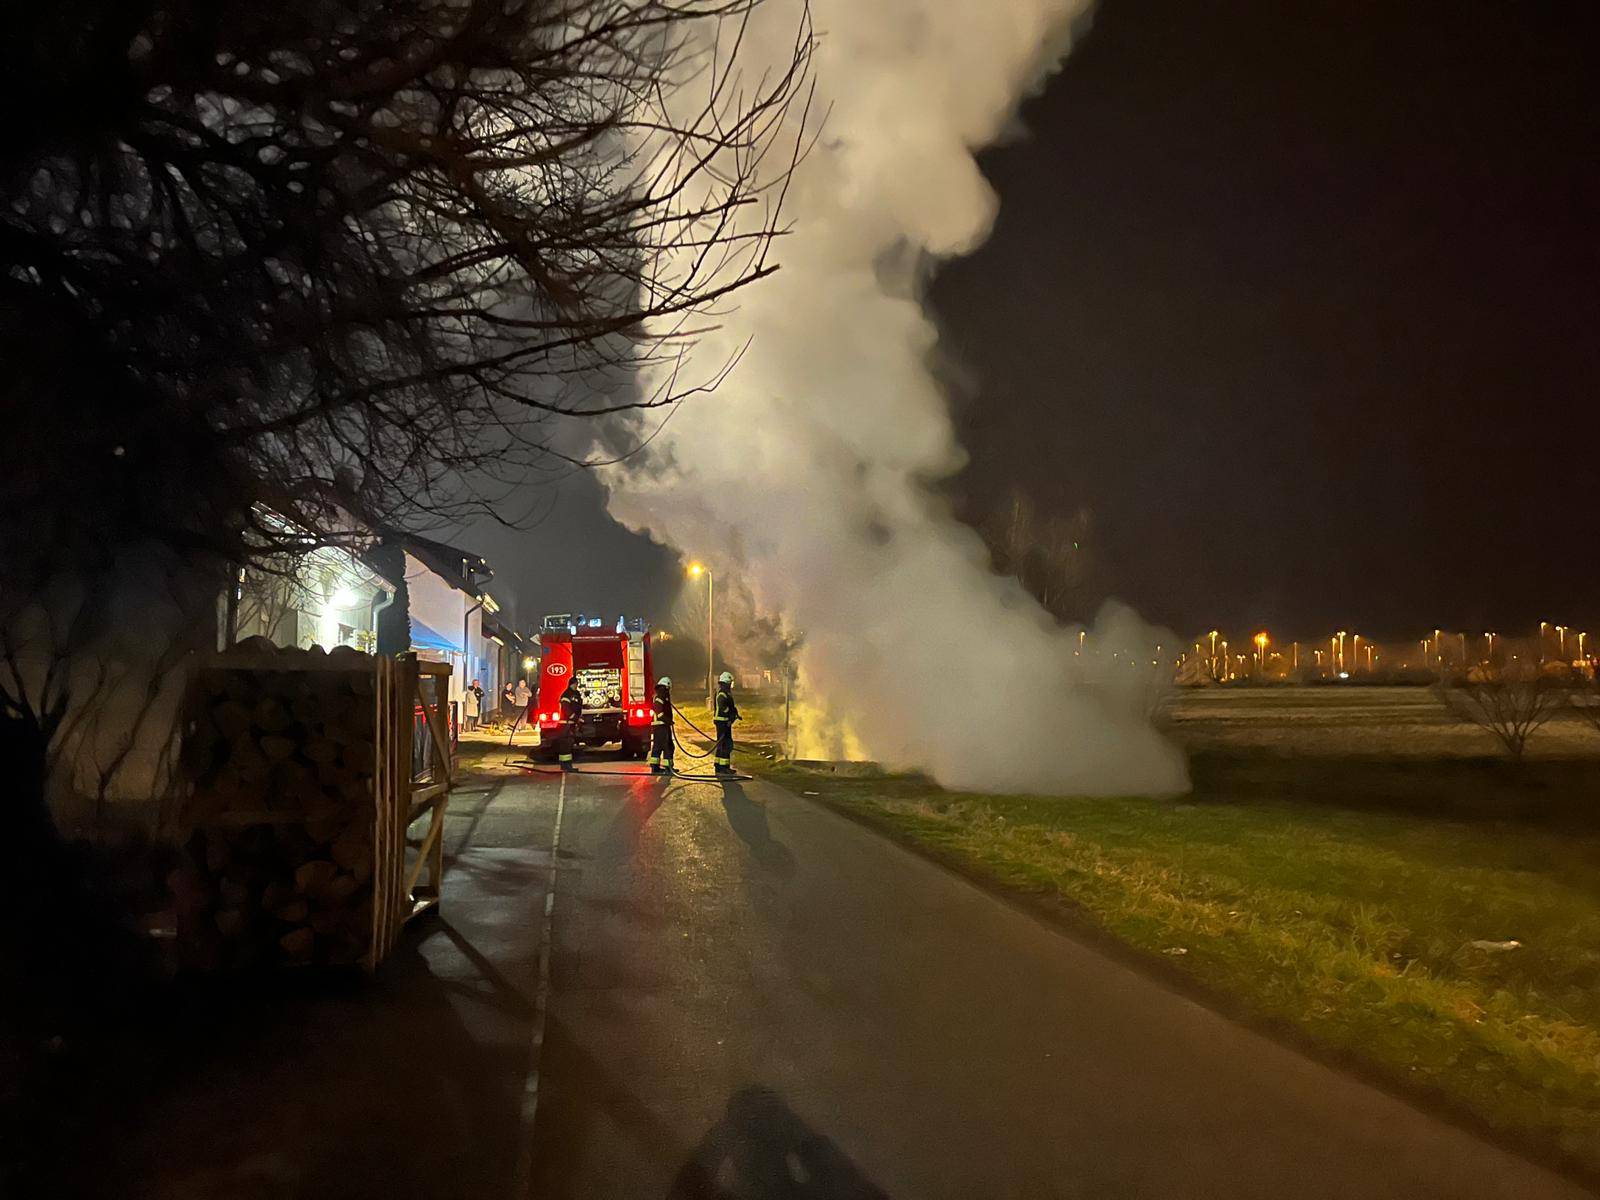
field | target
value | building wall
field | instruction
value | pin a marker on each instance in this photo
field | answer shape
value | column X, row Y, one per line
column 326, row 600
column 453, row 614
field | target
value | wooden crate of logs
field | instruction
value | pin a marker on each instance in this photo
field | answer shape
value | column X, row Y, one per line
column 303, row 775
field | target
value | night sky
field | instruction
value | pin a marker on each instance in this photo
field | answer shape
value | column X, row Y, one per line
column 1301, row 302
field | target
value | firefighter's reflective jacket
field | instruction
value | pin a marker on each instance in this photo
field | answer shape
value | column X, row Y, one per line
column 726, row 709
column 661, row 710
column 571, row 706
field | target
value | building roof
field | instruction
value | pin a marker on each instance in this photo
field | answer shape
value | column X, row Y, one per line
column 460, row 568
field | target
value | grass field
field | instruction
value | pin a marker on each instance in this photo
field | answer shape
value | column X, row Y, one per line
column 1350, row 864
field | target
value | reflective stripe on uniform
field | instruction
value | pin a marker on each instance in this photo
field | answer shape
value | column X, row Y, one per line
column 566, row 758
column 723, row 762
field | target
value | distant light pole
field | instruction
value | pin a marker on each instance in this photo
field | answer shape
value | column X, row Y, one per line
column 1489, row 637
column 1543, row 625
column 1561, row 631
column 696, row 570
column 1261, row 652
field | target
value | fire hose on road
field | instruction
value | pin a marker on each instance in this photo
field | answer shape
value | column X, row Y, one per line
column 529, row 765
column 678, row 741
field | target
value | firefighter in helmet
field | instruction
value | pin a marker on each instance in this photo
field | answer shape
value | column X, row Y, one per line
column 571, row 714
column 660, row 759
column 724, row 713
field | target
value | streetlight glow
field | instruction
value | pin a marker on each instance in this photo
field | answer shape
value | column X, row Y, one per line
column 695, row 571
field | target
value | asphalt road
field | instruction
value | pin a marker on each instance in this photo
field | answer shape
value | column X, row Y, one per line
column 751, row 997
column 639, row 990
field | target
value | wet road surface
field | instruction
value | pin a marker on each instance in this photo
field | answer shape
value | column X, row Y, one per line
column 647, row 990
column 750, row 996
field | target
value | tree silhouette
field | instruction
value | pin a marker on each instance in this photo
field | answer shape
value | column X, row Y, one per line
column 341, row 263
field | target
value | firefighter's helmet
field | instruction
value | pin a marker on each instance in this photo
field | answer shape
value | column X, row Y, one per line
column 725, row 677
column 664, row 682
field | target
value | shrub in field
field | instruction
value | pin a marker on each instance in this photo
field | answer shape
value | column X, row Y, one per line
column 1510, row 702
column 1585, row 700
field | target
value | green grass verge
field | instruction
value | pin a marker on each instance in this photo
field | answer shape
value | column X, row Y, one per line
column 1354, row 926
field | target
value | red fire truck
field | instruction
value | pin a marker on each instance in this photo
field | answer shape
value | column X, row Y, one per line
column 611, row 662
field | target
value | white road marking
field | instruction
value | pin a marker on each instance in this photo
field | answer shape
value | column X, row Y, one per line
column 523, row 1179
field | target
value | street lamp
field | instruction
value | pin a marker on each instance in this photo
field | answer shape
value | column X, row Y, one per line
column 1562, row 631
column 695, row 571
column 1261, row 651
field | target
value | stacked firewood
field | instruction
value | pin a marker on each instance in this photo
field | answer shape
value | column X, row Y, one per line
column 279, row 812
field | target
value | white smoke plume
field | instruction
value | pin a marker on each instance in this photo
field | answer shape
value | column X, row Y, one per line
column 807, row 473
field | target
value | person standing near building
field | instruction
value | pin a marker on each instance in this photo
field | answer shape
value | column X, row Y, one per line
column 508, row 703
column 471, row 706
column 661, row 728
column 523, row 697
column 723, row 714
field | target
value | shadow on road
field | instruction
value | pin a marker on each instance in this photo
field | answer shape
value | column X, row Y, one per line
column 319, row 1084
column 749, row 820
column 645, row 796
column 763, row 1150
